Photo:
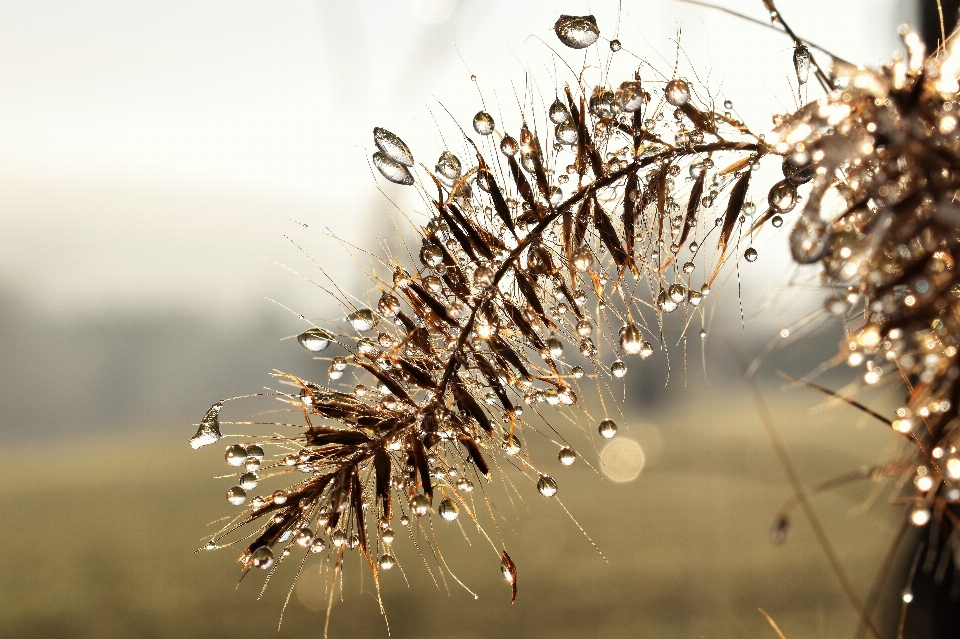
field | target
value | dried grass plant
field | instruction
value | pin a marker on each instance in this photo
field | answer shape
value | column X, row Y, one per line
column 560, row 248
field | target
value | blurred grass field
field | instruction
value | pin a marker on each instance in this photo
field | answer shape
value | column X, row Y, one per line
column 105, row 529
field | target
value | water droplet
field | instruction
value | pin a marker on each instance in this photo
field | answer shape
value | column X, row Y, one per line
column 483, row 276
column 607, row 429
column 547, row 486
column 431, row 255
column 236, row 495
column 448, row 166
column 750, row 254
column 631, row 340
column 584, row 328
column 392, row 147
column 483, row 123
column 393, row 171
column 582, row 259
column 777, row 221
column 210, row 545
column 727, row 104
column 509, row 146
column 808, row 239
column 304, row 537
column 318, row 545
column 782, row 196
column 262, row 558
column 339, row 538
column 209, row 430
column 566, row 132
column 511, row 445
column 387, row 561
column 666, row 304
column 677, row 92
column 629, row 96
column 577, row 32
column 688, row 267
column 618, row 368
column 362, row 320
column 558, row 112
column 907, row 596
column 249, row 481
column 615, row 45
column 465, row 485
column 797, row 174
column 280, row 496
column 567, row 456
column 420, row 505
column 236, row 455
column 555, row 346
column 677, row 293
column 448, row 510
column 646, row 350
column 695, row 297
column 314, row 339
column 388, row 306
column 577, row 372
column 801, row 63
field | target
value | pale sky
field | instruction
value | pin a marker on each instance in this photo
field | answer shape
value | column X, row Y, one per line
column 153, row 153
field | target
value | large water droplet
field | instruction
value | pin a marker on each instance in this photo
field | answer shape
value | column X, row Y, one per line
column 262, row 558
column 797, row 174
column 338, row 538
column 555, row 347
column 209, row 431
column 631, row 340
column 630, row 96
column 483, row 123
column 304, row 537
column 607, row 429
column 582, row 259
column 547, row 486
column 387, row 561
column 392, row 147
column 509, row 146
column 567, row 456
column 362, row 320
column 388, row 305
column 420, row 505
column 677, row 92
column 558, row 112
column 782, row 196
column 750, row 254
column 393, row 171
column 315, row 339
column 808, row 239
column 249, row 481
column 618, row 368
column 236, row 495
column 236, row 455
column 566, row 132
column 448, row 510
column 448, row 166
column 801, row 63
column 577, row 32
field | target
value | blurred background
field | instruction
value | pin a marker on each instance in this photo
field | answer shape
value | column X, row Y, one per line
column 165, row 166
